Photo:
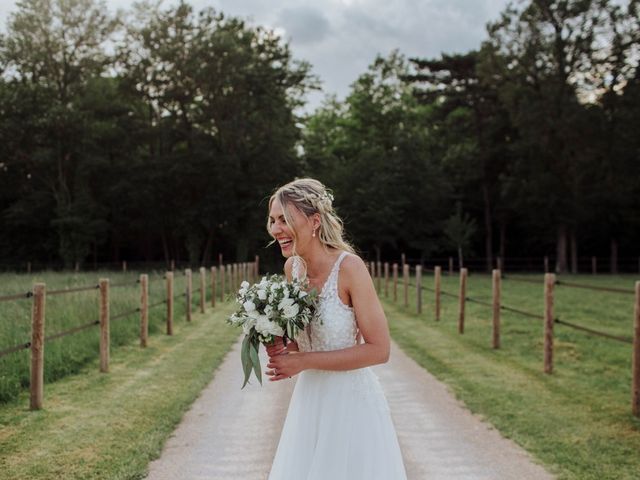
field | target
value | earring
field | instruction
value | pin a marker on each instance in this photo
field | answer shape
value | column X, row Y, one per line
column 314, row 233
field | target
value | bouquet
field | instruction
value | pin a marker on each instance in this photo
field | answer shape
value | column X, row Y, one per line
column 269, row 309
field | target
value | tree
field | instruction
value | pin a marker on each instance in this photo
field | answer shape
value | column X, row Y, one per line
column 460, row 229
column 473, row 129
column 546, row 49
column 53, row 49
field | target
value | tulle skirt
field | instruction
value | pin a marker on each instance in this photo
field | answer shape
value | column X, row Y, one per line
column 338, row 427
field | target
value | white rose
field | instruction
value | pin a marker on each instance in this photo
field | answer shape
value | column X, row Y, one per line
column 285, row 302
column 291, row 311
column 262, row 294
column 265, row 327
column 244, row 284
column 249, row 306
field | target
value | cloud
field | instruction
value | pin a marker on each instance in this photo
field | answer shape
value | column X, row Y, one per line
column 340, row 38
column 305, row 25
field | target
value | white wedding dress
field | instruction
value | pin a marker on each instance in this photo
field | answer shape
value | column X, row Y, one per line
column 338, row 425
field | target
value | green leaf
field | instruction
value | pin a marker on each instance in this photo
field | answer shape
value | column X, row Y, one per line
column 245, row 357
column 253, row 352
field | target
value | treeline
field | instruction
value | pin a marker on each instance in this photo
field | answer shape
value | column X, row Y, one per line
column 153, row 134
column 157, row 134
column 526, row 146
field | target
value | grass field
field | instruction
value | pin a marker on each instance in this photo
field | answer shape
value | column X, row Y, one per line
column 110, row 426
column 69, row 354
column 577, row 421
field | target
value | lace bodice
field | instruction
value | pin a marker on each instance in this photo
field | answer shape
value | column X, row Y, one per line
column 334, row 326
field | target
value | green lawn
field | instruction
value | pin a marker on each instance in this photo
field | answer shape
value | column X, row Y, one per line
column 67, row 355
column 110, row 426
column 577, row 421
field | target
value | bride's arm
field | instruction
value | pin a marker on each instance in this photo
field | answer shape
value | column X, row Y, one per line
column 371, row 322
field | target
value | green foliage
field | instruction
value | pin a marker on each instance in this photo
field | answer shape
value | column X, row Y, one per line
column 161, row 148
column 374, row 152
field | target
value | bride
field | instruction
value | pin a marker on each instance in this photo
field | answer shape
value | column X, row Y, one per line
column 338, row 425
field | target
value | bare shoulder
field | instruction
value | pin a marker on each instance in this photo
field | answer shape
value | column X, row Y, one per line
column 354, row 267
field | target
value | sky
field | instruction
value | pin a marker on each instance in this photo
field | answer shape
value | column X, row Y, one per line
column 341, row 38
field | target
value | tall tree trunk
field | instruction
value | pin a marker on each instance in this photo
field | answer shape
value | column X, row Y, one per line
column 614, row 255
column 165, row 248
column 488, row 239
column 206, row 255
column 378, row 251
column 574, row 252
column 561, row 250
column 503, row 241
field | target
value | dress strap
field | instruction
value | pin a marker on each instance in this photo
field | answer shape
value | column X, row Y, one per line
column 332, row 281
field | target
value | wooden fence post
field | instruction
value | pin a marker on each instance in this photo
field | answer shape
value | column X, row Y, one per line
column 386, row 279
column 450, row 265
column 144, row 309
column 188, row 293
column 37, row 346
column 379, row 275
column 173, row 265
column 549, row 282
column 214, row 280
column 419, row 289
column 395, row 282
column 499, row 264
column 105, row 337
column 203, row 289
column 223, row 273
column 635, row 373
column 403, row 260
column 219, row 259
column 234, row 279
column 462, row 299
column 169, row 277
column 496, row 308
column 405, row 277
column 124, row 265
column 437, row 273
column 594, row 265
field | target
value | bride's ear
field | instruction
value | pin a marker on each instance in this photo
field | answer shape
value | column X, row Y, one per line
column 316, row 221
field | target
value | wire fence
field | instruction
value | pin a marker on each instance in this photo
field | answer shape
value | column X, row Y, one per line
column 549, row 282
column 224, row 278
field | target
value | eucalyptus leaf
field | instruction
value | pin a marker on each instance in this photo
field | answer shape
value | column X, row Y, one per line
column 253, row 352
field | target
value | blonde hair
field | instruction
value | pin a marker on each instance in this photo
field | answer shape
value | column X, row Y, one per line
column 310, row 196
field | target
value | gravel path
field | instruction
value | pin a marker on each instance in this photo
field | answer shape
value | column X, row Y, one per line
column 440, row 439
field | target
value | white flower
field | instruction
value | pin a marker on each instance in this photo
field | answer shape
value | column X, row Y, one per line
column 268, row 311
column 262, row 294
column 266, row 327
column 288, row 307
column 244, row 288
column 302, row 294
column 249, row 306
column 248, row 325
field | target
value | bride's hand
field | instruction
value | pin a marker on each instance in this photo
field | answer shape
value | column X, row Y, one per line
column 278, row 347
column 285, row 366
